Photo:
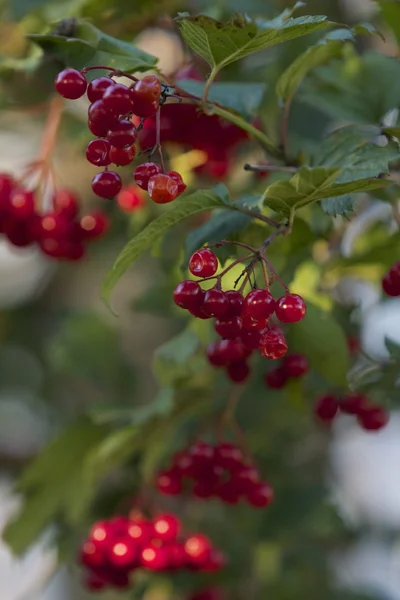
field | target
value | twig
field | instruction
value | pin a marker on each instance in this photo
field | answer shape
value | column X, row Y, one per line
column 225, row 242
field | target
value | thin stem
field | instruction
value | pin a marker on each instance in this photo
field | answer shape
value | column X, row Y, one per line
column 268, row 168
column 115, row 72
column 260, row 217
column 282, row 229
column 274, row 274
column 158, row 138
column 207, row 86
column 225, row 271
column 225, row 242
column 51, row 130
column 265, row 273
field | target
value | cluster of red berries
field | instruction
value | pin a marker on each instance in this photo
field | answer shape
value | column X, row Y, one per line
column 60, row 233
column 242, row 322
column 391, row 281
column 184, row 124
column 219, row 471
column 112, row 107
column 116, row 548
column 293, row 366
column 370, row 417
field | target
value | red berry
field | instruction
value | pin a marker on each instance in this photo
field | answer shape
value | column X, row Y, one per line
column 326, row 408
column 176, row 556
column 154, row 558
column 290, row 308
column 215, row 562
column 391, row 281
column 238, row 372
column 74, row 251
column 166, row 527
column 353, row 345
column 229, row 329
column 197, row 311
column 250, row 339
column 98, row 128
column 203, row 263
column 245, row 478
column 106, row 184
column 22, row 204
column 97, row 87
column 162, row 188
column 92, row 555
column 122, row 156
column 228, row 492
column 259, row 304
column 232, row 351
column 70, row 84
column 146, row 95
column 228, row 456
column 117, row 99
column 260, row 495
column 94, row 582
column 65, row 202
column 97, row 153
column 373, row 418
column 273, row 344
column 354, row 404
column 94, row 225
column 169, row 482
column 215, row 356
column 235, row 300
column 215, row 303
column 53, row 225
column 178, row 178
column 250, row 324
column 198, row 548
column 98, row 114
column 6, row 187
column 119, row 580
column 143, row 173
column 122, row 553
column 295, row 365
column 122, row 134
column 130, row 199
column 202, row 456
column 101, row 533
column 184, row 463
column 188, row 294
column 19, row 233
column 276, row 378
column 205, row 488
column 140, row 531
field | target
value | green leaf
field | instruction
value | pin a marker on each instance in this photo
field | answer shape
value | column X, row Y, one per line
column 178, row 359
column 309, row 185
column 390, row 10
column 342, row 205
column 52, row 484
column 323, row 341
column 329, row 47
column 393, row 348
column 221, row 44
column 242, row 97
column 182, row 208
column 221, row 226
column 92, row 47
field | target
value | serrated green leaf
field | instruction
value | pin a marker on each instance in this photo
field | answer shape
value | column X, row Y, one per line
column 92, row 47
column 309, row 185
column 319, row 337
column 221, row 44
column 221, row 226
column 242, row 97
column 343, row 205
column 329, row 47
column 182, row 208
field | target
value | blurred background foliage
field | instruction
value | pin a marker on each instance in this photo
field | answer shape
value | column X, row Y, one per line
column 119, row 395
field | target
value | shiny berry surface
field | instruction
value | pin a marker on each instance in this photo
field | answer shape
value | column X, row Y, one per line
column 188, row 294
column 97, row 153
column 106, row 184
column 215, row 303
column 178, row 178
column 94, row 225
column 117, row 99
column 162, row 188
column 122, row 134
column 276, row 378
column 353, row 404
column 326, row 408
column 259, row 304
column 238, row 372
column 203, row 263
column 143, row 173
column 295, row 365
column 71, row 84
column 229, row 329
column 290, row 308
column 122, row 156
column 273, row 345
column 373, row 418
column 97, row 87
column 130, row 199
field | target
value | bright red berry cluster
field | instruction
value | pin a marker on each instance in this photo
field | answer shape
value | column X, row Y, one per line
column 241, row 322
column 116, row 548
column 293, row 366
column 60, row 232
column 369, row 416
column 219, row 471
column 112, row 108
column 391, row 281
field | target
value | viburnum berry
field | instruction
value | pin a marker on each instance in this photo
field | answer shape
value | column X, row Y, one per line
column 188, row 294
column 391, row 281
column 98, row 114
column 295, row 365
column 250, row 324
column 202, row 455
column 117, row 99
column 326, row 408
column 373, row 418
column 215, row 303
column 98, row 128
column 166, row 527
column 203, row 263
column 178, row 178
column 92, row 555
column 146, row 95
column 276, row 378
column 122, row 134
column 162, row 188
column 228, row 493
column 259, row 304
column 170, row 482
column 232, row 351
column 6, row 186
column 65, row 202
column 71, row 84
column 97, row 87
column 143, row 173
column 229, row 329
column 93, row 225
column 290, row 308
column 122, row 156
column 130, row 199
column 198, row 548
column 22, row 204
column 154, row 558
column 228, row 456
column 19, row 232
column 245, row 478
column 122, row 554
column 106, row 184
column 97, row 153
column 56, row 225
column 260, row 495
column 94, row 582
column 238, row 372
column 215, row 356
column 251, row 339
column 273, row 344
column 235, row 303
column 353, row 404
